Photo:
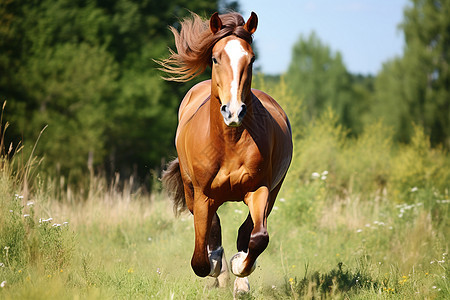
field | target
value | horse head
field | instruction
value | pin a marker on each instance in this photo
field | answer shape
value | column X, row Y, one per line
column 232, row 64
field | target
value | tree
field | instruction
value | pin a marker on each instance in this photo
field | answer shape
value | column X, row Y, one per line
column 417, row 86
column 85, row 69
column 319, row 77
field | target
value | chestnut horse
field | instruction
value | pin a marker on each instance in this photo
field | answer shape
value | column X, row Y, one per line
column 234, row 143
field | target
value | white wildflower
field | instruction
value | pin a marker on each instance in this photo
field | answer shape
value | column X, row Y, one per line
column 149, row 239
column 56, row 225
column 30, row 203
column 315, row 175
column 2, row 265
column 26, row 215
column 414, row 189
column 282, row 200
column 2, row 285
column 359, row 230
column 325, row 173
column 323, row 177
column 443, row 201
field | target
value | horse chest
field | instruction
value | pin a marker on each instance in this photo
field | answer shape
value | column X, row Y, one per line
column 234, row 183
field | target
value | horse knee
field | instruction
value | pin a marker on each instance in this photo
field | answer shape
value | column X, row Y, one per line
column 211, row 266
column 258, row 242
column 201, row 267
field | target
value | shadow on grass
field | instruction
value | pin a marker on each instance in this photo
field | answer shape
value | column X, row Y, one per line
column 336, row 281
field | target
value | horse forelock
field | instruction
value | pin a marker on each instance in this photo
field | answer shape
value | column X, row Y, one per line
column 233, row 24
column 195, row 42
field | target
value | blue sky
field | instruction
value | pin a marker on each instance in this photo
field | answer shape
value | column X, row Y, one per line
column 365, row 32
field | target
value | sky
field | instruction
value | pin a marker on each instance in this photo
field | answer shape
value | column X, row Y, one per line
column 365, row 32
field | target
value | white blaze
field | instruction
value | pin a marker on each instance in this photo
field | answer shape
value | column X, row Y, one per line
column 235, row 52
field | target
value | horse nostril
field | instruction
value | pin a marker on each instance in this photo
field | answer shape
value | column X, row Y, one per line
column 225, row 111
column 243, row 111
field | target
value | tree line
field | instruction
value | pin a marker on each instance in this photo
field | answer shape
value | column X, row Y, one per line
column 85, row 69
column 410, row 90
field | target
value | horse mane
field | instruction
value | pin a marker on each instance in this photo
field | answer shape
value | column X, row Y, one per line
column 195, row 42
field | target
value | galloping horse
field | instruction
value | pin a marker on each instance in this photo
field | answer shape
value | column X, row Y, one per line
column 234, row 143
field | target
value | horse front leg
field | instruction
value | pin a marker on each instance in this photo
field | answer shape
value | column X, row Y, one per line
column 243, row 263
column 204, row 261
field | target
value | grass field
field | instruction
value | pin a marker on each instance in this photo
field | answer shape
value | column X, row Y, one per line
column 357, row 219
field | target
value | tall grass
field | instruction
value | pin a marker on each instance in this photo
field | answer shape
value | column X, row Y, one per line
column 359, row 218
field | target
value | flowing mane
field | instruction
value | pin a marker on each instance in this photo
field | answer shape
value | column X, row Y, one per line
column 195, row 42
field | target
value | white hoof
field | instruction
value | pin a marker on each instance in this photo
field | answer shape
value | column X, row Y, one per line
column 215, row 259
column 241, row 286
column 237, row 264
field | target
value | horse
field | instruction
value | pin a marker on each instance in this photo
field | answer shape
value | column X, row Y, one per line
column 234, row 143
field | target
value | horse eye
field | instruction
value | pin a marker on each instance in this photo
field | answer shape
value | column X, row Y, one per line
column 253, row 60
column 214, row 60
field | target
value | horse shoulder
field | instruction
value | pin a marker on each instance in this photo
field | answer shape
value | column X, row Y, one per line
column 272, row 106
column 193, row 99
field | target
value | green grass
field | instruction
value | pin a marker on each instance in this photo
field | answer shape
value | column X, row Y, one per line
column 374, row 225
column 133, row 247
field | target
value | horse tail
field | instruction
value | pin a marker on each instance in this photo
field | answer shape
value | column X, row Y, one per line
column 173, row 184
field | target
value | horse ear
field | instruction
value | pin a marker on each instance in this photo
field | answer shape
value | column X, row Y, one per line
column 252, row 23
column 215, row 23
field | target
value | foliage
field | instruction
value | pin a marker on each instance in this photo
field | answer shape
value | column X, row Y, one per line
column 25, row 241
column 318, row 76
column 414, row 88
column 85, row 69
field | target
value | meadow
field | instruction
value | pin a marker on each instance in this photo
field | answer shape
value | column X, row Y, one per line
column 358, row 218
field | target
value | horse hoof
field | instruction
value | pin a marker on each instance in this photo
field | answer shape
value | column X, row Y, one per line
column 241, row 286
column 237, row 264
column 215, row 259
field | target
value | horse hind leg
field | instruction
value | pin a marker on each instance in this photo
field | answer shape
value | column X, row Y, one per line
column 217, row 256
column 224, row 277
column 241, row 287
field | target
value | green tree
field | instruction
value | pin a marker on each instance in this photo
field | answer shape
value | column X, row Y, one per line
column 85, row 69
column 416, row 87
column 319, row 76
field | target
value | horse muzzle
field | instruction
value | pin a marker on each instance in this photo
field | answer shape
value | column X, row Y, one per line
column 233, row 119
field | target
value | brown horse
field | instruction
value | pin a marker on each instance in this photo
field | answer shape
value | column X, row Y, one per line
column 234, row 143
